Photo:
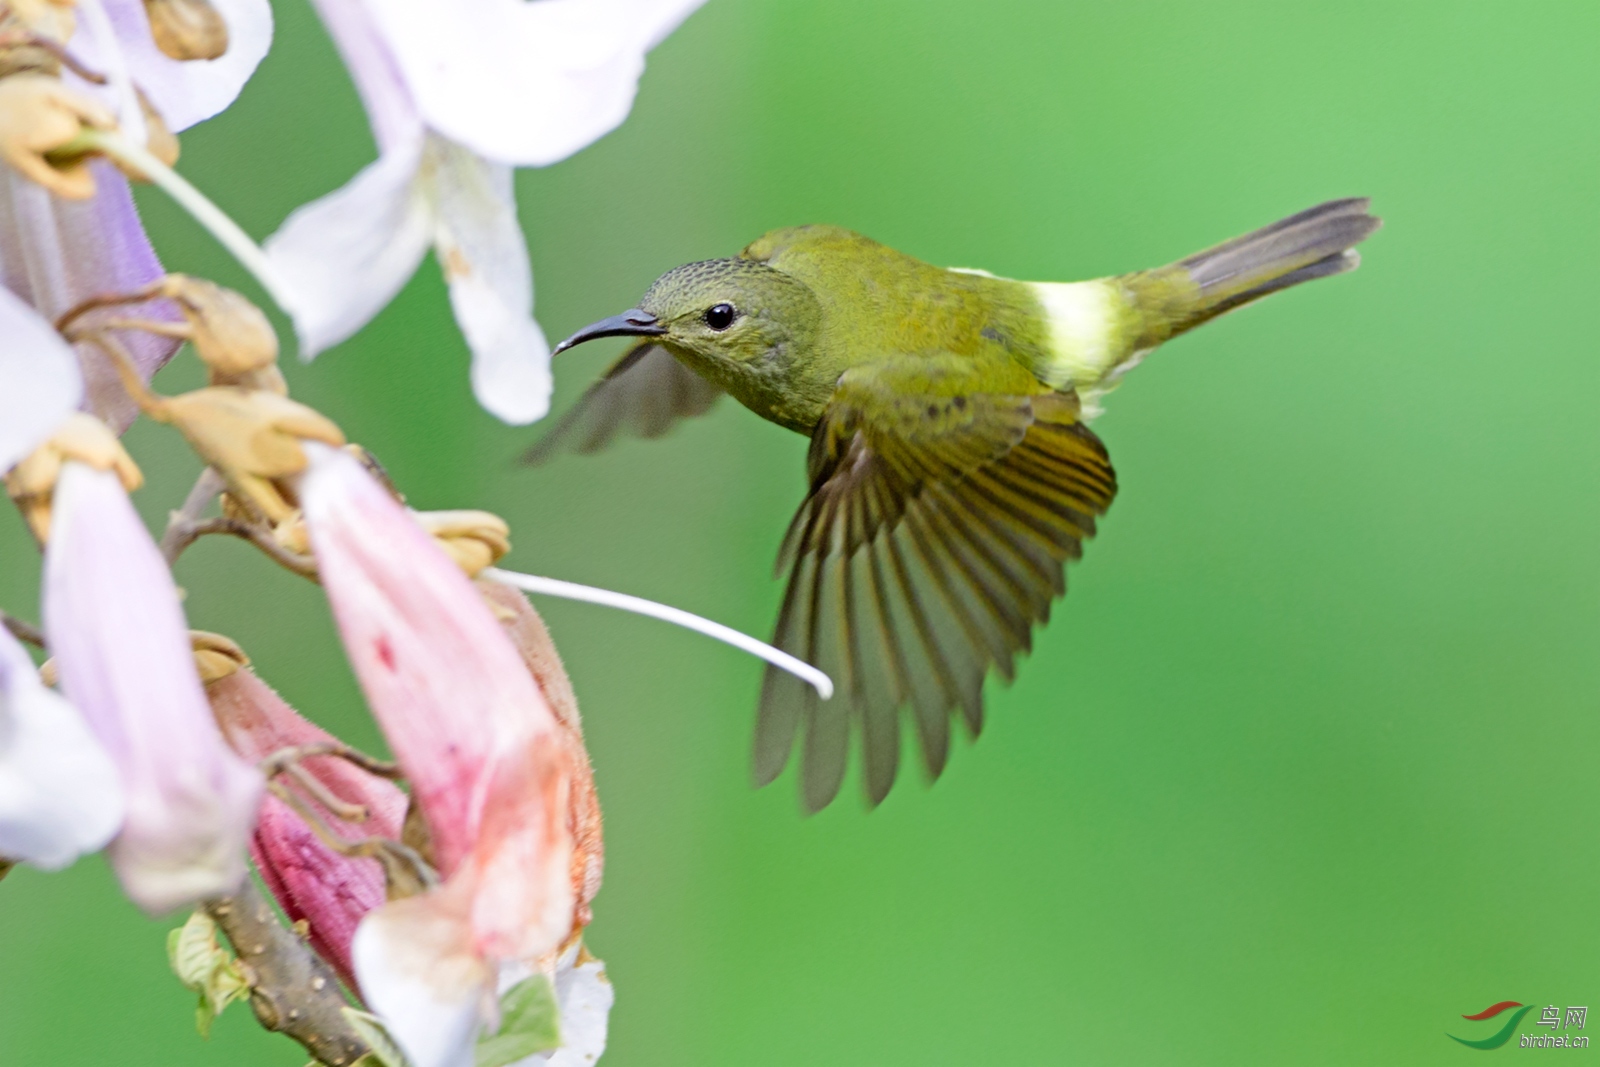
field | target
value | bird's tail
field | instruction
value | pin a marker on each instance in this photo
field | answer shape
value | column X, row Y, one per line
column 1316, row 243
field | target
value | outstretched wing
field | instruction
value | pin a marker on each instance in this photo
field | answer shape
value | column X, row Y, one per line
column 932, row 541
column 643, row 394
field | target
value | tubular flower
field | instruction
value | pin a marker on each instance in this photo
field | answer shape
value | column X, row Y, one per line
column 60, row 795
column 457, row 94
column 329, row 891
column 484, row 754
column 115, row 627
column 56, row 253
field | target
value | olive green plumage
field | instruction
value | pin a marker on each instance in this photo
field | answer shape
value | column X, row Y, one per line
column 951, row 474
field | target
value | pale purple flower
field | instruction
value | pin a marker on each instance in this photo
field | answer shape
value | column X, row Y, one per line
column 458, row 92
column 54, row 253
column 485, row 756
column 60, row 795
column 119, row 639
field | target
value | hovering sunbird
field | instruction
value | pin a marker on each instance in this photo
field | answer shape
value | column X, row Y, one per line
column 951, row 472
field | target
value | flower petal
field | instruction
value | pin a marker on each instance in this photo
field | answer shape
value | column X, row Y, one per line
column 527, row 631
column 120, row 641
column 186, row 92
column 55, row 253
column 372, row 67
column 345, row 256
column 60, row 795
column 462, row 714
column 584, row 996
column 440, row 675
column 39, row 380
column 522, row 83
column 418, row 972
column 485, row 260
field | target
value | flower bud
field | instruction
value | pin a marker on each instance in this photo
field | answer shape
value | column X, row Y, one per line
column 291, row 535
column 229, row 333
column 268, row 379
column 82, row 438
column 24, row 46
column 252, row 438
column 53, row 19
column 474, row 539
column 216, row 657
column 314, row 884
column 38, row 115
column 187, row 29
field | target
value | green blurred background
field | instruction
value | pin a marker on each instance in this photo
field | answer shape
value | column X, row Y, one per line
column 1304, row 768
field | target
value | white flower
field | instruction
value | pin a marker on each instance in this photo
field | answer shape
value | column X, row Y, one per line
column 522, row 83
column 39, row 380
column 182, row 92
column 458, row 93
column 60, row 795
column 583, row 1001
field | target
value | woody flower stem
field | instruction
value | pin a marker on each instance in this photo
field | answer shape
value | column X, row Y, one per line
column 180, row 533
column 185, row 526
column 293, row 991
column 22, row 631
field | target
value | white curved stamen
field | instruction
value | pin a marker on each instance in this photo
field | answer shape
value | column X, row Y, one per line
column 573, row 591
column 227, row 232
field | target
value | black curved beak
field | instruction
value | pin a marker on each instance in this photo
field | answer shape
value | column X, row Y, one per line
column 631, row 323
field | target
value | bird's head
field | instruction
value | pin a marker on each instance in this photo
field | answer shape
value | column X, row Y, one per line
column 726, row 314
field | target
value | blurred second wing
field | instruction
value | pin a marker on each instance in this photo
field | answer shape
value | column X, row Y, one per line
column 643, row 394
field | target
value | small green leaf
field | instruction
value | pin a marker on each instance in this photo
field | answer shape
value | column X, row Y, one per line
column 203, row 965
column 203, row 1016
column 192, row 949
column 530, row 1022
column 385, row 1053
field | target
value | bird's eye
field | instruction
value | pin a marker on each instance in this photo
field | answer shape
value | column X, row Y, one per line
column 720, row 316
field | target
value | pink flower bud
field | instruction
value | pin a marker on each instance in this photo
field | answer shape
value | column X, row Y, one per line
column 484, row 754
column 120, row 642
column 329, row 891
